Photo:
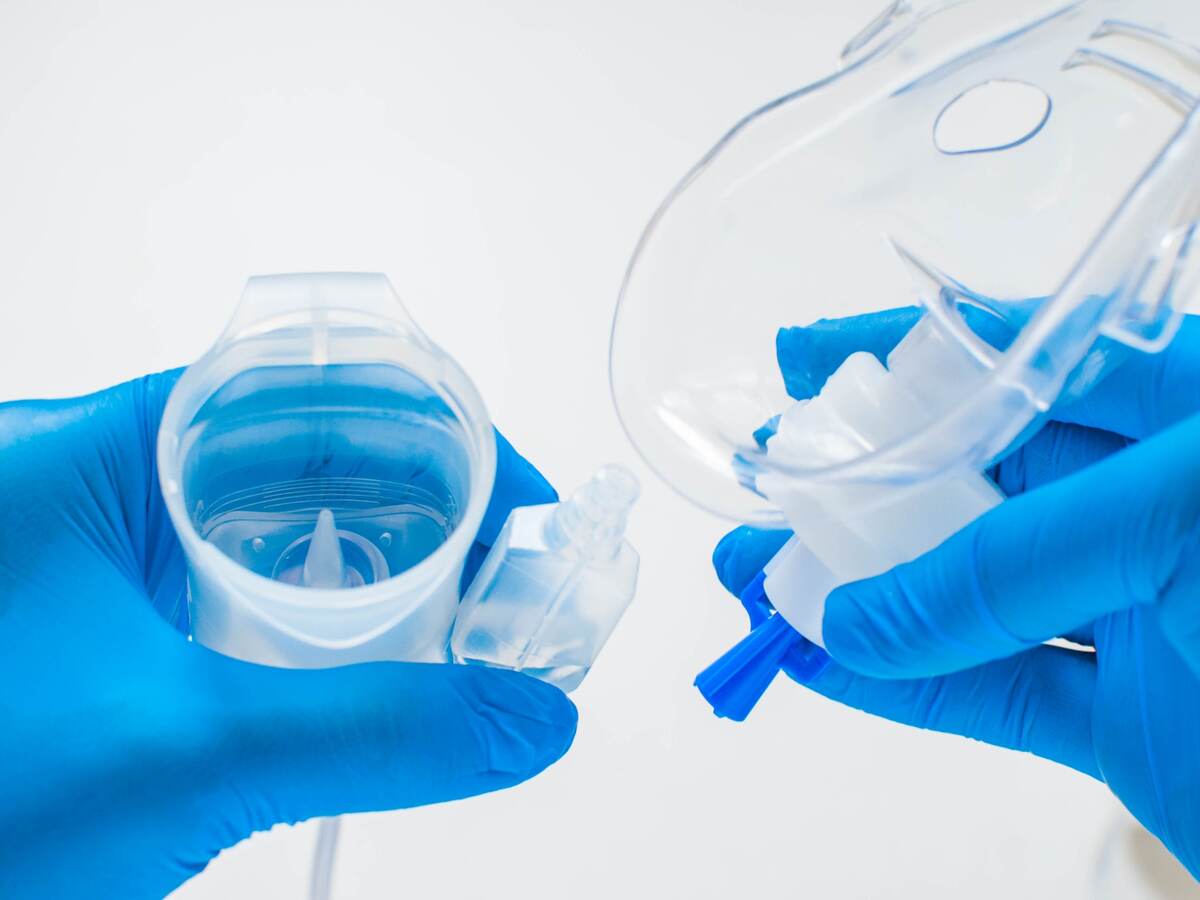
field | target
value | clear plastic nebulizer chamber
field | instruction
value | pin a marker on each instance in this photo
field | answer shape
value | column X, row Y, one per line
column 871, row 288
column 326, row 467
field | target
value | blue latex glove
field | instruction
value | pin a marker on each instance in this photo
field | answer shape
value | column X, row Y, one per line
column 1098, row 543
column 130, row 757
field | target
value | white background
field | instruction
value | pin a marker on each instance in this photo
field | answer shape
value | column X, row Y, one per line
column 498, row 160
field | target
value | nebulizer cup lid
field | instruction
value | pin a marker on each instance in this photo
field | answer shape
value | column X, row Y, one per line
column 327, row 468
column 1024, row 174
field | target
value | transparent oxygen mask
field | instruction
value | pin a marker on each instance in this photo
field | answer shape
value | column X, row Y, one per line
column 326, row 467
column 872, row 287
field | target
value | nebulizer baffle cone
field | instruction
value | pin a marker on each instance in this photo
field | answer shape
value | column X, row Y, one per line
column 849, row 332
column 324, row 566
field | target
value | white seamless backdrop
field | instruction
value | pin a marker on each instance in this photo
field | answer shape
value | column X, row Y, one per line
column 498, row 160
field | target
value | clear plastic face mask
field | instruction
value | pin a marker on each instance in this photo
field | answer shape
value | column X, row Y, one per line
column 1023, row 174
column 326, row 467
column 870, row 288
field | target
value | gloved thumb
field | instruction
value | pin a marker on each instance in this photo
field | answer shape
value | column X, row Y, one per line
column 321, row 742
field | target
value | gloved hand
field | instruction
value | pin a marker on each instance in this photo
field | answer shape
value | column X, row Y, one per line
column 1099, row 543
column 130, row 757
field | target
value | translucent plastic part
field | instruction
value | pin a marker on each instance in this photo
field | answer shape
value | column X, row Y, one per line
column 1023, row 172
column 846, row 530
column 554, row 585
column 324, row 563
column 326, row 467
column 850, row 530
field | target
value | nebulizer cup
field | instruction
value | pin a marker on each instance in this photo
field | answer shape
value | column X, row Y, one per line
column 871, row 288
column 326, row 467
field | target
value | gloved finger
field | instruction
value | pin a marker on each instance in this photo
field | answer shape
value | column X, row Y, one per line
column 741, row 555
column 1146, row 393
column 1178, row 609
column 297, row 743
column 1039, row 702
column 1055, row 451
column 518, row 483
column 93, row 460
column 739, row 558
column 808, row 355
column 1141, row 396
column 163, row 566
column 1084, row 635
column 1042, row 564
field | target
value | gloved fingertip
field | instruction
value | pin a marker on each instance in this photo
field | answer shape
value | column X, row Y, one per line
column 518, row 483
column 855, row 633
column 475, row 557
column 793, row 353
column 806, row 663
column 990, row 326
column 723, row 551
column 512, row 466
column 524, row 725
column 726, row 558
column 741, row 555
column 768, row 430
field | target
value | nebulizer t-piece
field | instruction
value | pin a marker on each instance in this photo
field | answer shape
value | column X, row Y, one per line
column 984, row 212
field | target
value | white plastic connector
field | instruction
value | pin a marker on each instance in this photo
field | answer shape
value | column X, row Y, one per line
column 849, row 530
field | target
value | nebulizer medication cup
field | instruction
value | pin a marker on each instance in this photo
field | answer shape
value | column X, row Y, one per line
column 326, row 467
column 872, row 288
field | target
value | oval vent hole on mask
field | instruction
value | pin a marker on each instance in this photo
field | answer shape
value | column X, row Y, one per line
column 994, row 116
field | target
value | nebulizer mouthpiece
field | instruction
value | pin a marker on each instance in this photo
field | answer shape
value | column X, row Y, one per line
column 870, row 289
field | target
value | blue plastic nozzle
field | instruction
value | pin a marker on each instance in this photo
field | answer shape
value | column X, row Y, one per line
column 736, row 681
